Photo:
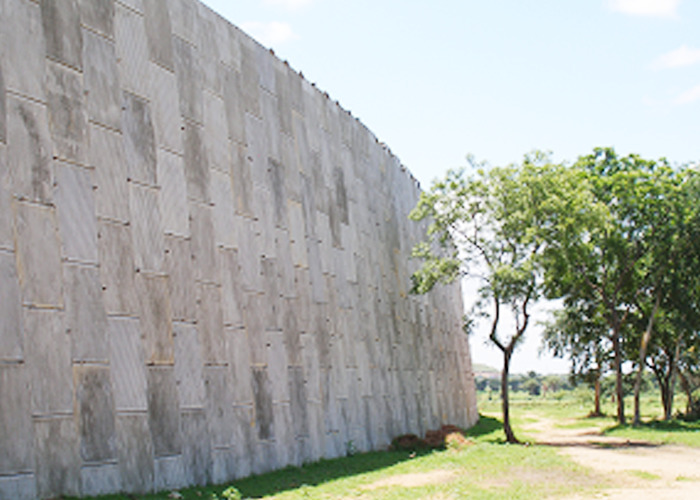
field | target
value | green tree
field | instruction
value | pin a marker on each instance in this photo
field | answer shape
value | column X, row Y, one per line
column 488, row 227
column 596, row 251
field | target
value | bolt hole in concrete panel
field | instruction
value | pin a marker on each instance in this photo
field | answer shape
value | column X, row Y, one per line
column 15, row 420
column 57, row 457
column 95, row 405
column 67, row 114
column 156, row 322
column 102, row 80
column 29, row 150
column 39, row 261
column 22, row 47
column 11, row 326
column 117, row 268
column 112, row 188
column 139, row 139
column 85, row 313
column 76, row 213
column 127, row 365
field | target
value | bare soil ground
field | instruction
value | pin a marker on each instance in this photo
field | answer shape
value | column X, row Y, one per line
column 637, row 470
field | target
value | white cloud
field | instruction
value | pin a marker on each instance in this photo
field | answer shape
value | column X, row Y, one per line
column 648, row 8
column 272, row 33
column 682, row 56
column 289, row 4
column 689, row 96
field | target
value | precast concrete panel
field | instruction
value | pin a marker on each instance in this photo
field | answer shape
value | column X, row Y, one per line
column 117, row 267
column 197, row 173
column 96, row 480
column 98, row 15
column 232, row 297
column 22, row 48
column 75, row 208
column 208, row 45
column 11, row 326
column 285, row 267
column 169, row 473
column 67, row 113
column 15, row 420
column 139, row 139
column 110, row 174
column 235, row 109
column 239, row 364
column 188, row 366
column 255, row 310
column 181, row 282
column 196, row 448
column 95, row 408
column 204, row 256
column 61, row 22
column 167, row 121
column 216, row 131
column 29, row 150
column 219, row 406
column 146, row 228
column 248, row 255
column 241, row 179
column 172, row 196
column 277, row 366
column 163, row 411
column 273, row 303
column 85, row 316
column 132, row 50
column 183, row 18
column 224, row 211
column 158, row 33
column 296, row 234
column 101, row 80
column 270, row 124
column 262, row 398
column 156, row 322
column 250, row 81
column 57, row 457
column 210, row 321
column 38, row 256
column 286, row 452
column 127, row 363
column 135, row 452
column 188, row 80
column 18, row 487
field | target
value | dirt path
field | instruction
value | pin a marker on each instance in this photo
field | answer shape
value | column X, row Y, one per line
column 637, row 470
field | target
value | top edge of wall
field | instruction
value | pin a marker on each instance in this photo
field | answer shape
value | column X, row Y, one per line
column 322, row 92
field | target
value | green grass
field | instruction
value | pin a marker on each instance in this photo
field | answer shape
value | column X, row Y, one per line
column 642, row 474
column 487, row 470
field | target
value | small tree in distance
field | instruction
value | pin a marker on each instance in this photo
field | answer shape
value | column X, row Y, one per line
column 489, row 228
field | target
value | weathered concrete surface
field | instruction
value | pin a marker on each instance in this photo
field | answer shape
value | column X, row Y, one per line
column 204, row 262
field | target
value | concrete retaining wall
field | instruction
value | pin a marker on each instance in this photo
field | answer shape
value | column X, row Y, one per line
column 203, row 261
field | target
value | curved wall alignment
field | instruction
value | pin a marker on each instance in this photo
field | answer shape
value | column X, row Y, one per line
column 203, row 260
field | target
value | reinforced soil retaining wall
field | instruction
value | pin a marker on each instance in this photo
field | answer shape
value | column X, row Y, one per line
column 204, row 261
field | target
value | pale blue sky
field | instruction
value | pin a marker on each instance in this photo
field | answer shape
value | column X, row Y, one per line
column 436, row 80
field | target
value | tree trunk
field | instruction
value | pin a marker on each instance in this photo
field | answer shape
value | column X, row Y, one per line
column 642, row 361
column 510, row 436
column 668, row 409
column 619, row 391
column 597, row 412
